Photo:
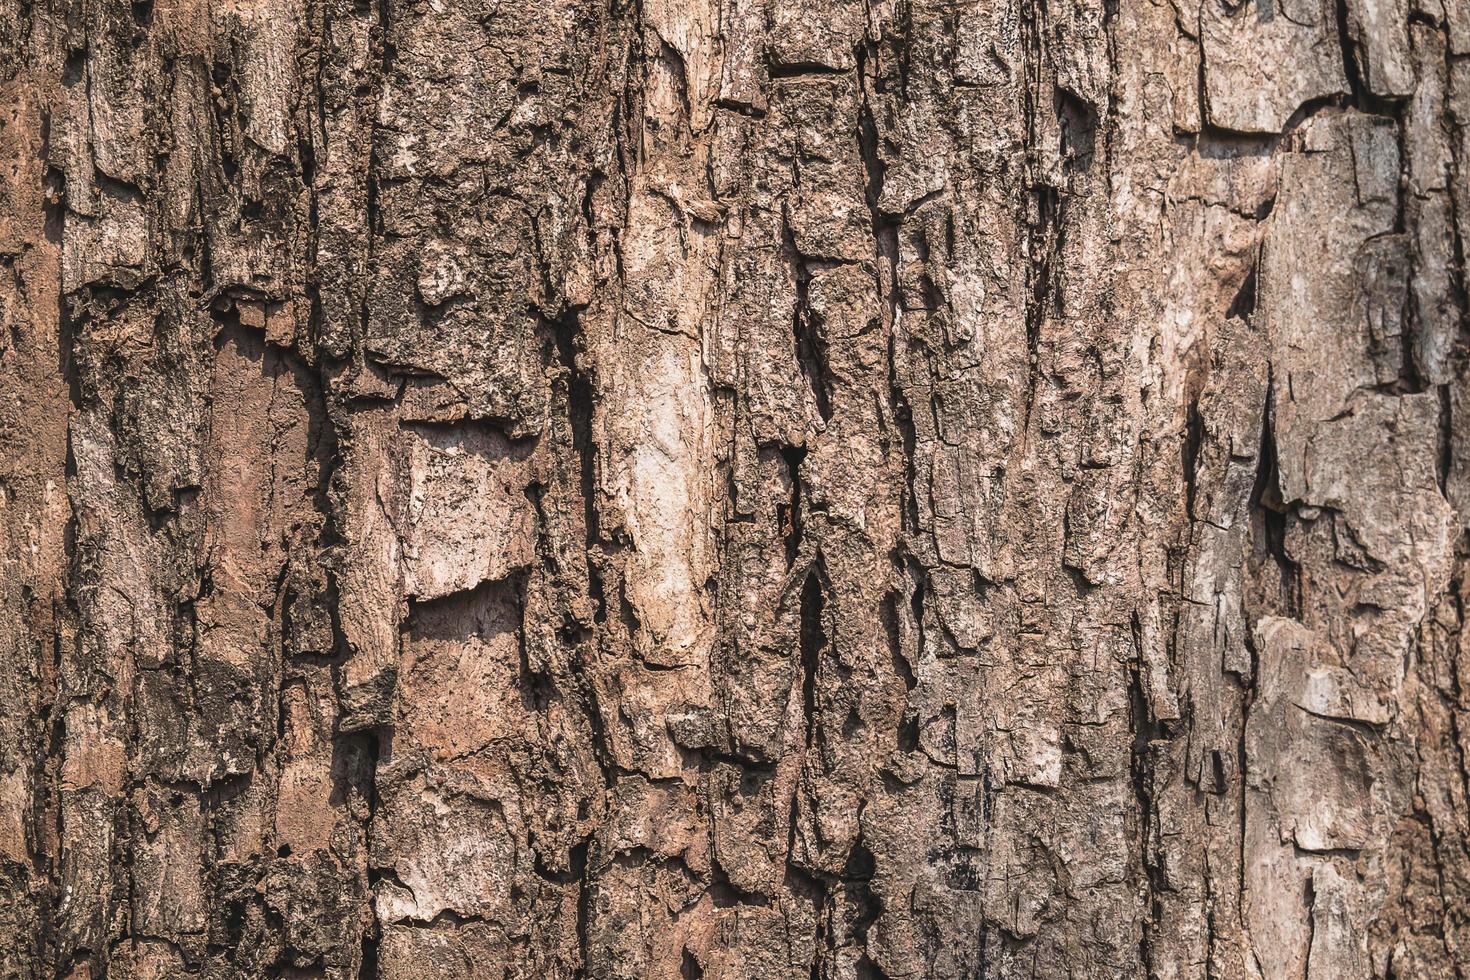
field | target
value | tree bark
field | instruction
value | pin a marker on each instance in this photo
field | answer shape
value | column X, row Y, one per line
column 734, row 489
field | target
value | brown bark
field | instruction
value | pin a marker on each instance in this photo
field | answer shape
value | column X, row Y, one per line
column 734, row 488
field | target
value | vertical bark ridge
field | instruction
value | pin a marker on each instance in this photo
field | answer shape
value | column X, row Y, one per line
column 733, row 488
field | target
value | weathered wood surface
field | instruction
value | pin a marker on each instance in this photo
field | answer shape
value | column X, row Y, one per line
column 734, row 489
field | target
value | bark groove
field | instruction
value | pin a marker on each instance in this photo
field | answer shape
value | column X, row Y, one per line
column 734, row 488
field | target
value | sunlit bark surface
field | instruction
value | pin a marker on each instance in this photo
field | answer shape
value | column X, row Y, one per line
column 734, row 489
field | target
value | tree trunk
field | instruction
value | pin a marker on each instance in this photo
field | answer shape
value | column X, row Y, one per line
column 734, row 489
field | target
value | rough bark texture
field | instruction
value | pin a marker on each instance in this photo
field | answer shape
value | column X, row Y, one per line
column 734, row 488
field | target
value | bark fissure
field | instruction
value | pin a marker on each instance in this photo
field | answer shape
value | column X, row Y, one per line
column 724, row 489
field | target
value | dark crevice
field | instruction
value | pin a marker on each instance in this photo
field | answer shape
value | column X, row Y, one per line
column 1309, row 899
column 903, row 416
column 673, row 62
column 1194, row 434
column 908, row 724
column 1243, row 306
column 908, row 731
column 811, row 348
column 1363, row 97
column 885, row 226
column 1044, row 248
column 885, row 230
column 368, row 970
column 53, row 203
column 726, row 894
column 807, row 325
column 750, row 760
column 566, row 329
column 857, row 882
column 813, row 642
column 1214, row 142
column 584, row 919
column 789, row 513
column 74, row 69
column 225, row 109
column 1078, row 120
column 569, row 341
column 867, row 969
column 886, row 249
column 1269, row 510
column 576, row 866
column 538, row 687
column 361, row 754
column 1445, row 450
column 815, row 887
column 777, row 71
column 1146, row 731
column 1042, row 213
column 1308, row 109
